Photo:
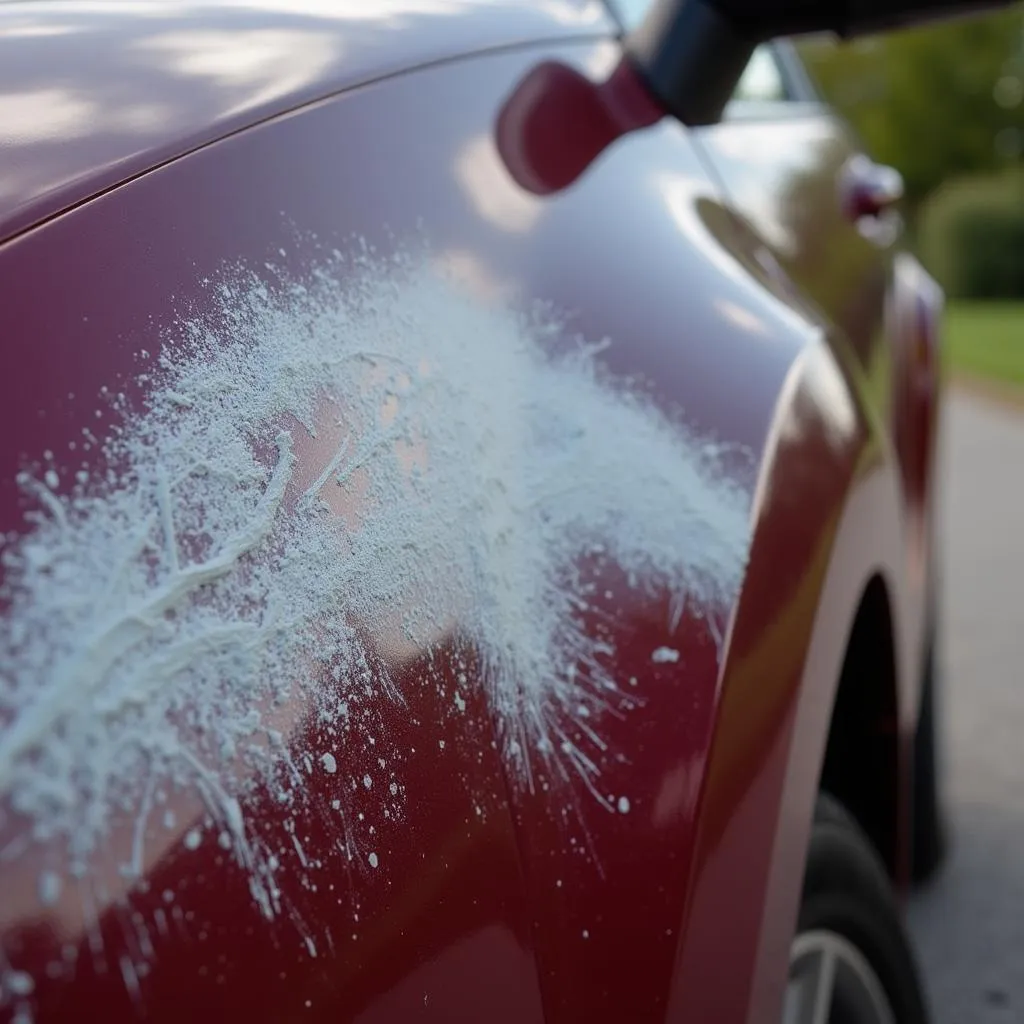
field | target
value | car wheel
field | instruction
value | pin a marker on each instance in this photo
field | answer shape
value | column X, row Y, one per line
column 850, row 962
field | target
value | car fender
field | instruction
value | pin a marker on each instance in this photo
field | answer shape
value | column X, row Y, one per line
column 829, row 456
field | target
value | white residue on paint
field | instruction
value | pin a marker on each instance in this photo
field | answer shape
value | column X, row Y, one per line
column 18, row 983
column 49, row 885
column 192, row 839
column 369, row 461
column 373, row 860
column 623, row 805
column 664, row 655
column 329, row 763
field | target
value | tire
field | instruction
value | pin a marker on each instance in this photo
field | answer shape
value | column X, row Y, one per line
column 849, row 917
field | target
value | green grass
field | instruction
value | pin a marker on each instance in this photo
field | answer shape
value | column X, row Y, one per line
column 986, row 340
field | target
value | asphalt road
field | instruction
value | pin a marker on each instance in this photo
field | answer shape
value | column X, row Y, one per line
column 969, row 924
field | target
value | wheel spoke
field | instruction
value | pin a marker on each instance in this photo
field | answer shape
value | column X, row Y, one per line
column 819, row 1003
column 811, row 984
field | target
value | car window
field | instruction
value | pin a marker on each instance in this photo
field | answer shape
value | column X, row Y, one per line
column 763, row 81
column 630, row 12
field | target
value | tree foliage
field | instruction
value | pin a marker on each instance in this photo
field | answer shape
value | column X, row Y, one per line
column 935, row 102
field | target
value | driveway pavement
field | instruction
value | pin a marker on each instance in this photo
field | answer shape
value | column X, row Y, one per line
column 969, row 925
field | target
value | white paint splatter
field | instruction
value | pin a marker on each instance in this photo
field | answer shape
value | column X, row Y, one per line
column 373, row 860
column 18, row 983
column 319, row 475
column 49, row 885
column 664, row 655
column 329, row 763
column 192, row 839
column 623, row 805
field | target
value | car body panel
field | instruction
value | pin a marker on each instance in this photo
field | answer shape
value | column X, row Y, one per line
column 783, row 167
column 636, row 891
column 144, row 82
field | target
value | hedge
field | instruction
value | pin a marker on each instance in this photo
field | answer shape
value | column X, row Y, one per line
column 971, row 236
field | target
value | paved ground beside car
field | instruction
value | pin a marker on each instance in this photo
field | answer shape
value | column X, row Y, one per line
column 969, row 924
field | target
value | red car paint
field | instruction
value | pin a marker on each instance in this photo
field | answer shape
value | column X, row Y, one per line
column 125, row 186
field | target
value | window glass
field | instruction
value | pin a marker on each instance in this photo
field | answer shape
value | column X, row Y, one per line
column 631, row 12
column 762, row 81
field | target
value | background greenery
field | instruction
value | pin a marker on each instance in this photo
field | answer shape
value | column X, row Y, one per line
column 935, row 102
column 944, row 104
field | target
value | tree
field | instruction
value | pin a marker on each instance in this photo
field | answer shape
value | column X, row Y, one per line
column 934, row 102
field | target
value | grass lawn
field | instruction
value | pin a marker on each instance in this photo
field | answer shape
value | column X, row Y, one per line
column 986, row 340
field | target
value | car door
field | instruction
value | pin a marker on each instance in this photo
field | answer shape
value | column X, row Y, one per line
column 796, row 173
column 803, row 185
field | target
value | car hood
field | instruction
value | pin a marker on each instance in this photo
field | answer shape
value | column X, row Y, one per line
column 94, row 93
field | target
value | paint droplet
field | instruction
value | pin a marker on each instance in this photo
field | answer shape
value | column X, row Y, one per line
column 52, row 480
column 336, row 804
column 440, row 743
column 49, row 888
column 19, row 983
column 193, row 839
column 459, row 702
column 394, row 788
column 663, row 655
column 623, row 805
column 367, row 781
column 586, row 934
column 373, row 860
column 330, row 765
column 169, row 819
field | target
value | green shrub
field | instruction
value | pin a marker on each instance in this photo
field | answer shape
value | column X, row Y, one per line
column 971, row 236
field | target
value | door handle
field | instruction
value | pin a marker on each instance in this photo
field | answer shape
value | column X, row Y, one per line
column 867, row 189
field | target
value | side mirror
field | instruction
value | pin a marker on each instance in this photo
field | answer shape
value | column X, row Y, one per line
column 691, row 53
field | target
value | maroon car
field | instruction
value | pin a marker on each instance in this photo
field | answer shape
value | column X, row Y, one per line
column 467, row 504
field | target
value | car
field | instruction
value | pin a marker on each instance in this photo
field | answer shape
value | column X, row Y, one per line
column 468, row 501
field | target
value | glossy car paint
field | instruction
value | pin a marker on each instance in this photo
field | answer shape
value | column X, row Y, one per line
column 681, row 909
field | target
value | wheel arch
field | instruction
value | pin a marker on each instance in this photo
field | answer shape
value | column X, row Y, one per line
column 861, row 766
column 829, row 521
